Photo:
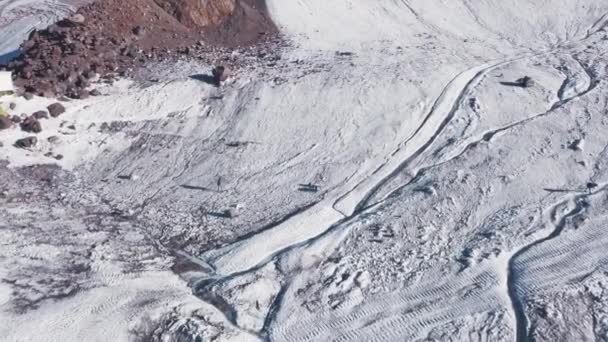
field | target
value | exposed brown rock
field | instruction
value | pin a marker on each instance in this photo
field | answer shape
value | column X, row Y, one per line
column 116, row 37
column 201, row 13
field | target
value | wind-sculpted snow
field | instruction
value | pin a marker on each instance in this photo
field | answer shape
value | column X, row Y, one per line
column 386, row 179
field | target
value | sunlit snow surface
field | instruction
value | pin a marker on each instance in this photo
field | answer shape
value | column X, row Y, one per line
column 451, row 206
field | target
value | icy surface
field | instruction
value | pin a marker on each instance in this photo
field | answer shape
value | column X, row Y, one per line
column 446, row 203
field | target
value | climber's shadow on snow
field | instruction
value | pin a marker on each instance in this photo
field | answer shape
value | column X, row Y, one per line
column 209, row 79
column 308, row 187
column 195, row 187
column 524, row 82
column 218, row 214
column 551, row 190
column 510, row 84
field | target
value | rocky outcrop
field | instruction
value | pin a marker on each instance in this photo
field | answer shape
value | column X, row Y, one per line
column 199, row 13
column 113, row 38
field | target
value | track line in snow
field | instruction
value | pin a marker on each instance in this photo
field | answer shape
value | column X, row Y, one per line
column 309, row 223
column 404, row 313
column 517, row 299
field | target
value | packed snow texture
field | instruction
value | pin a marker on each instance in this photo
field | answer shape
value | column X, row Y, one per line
column 386, row 180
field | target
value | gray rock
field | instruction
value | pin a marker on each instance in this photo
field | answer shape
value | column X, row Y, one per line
column 5, row 122
column 32, row 125
column 77, row 18
column 41, row 114
column 26, row 142
column 53, row 139
column 56, row 109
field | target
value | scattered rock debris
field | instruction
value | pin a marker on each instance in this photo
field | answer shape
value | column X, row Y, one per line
column 66, row 58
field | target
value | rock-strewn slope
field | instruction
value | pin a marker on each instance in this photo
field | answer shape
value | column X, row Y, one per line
column 203, row 13
column 112, row 37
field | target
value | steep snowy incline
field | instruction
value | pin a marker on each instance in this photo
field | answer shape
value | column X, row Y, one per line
column 380, row 179
column 422, row 126
column 500, row 25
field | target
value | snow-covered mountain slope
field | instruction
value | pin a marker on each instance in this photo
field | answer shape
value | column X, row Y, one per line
column 451, row 204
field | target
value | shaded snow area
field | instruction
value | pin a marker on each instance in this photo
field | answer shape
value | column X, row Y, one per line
column 387, row 179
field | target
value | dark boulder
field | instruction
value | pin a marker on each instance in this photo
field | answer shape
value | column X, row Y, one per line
column 31, row 125
column 26, row 142
column 56, row 109
column 5, row 122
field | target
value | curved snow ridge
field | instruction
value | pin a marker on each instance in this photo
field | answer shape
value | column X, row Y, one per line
column 260, row 248
column 246, row 254
column 441, row 113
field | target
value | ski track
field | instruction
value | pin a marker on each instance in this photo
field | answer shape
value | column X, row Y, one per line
column 487, row 136
column 556, row 257
column 245, row 253
column 309, row 224
column 395, row 316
